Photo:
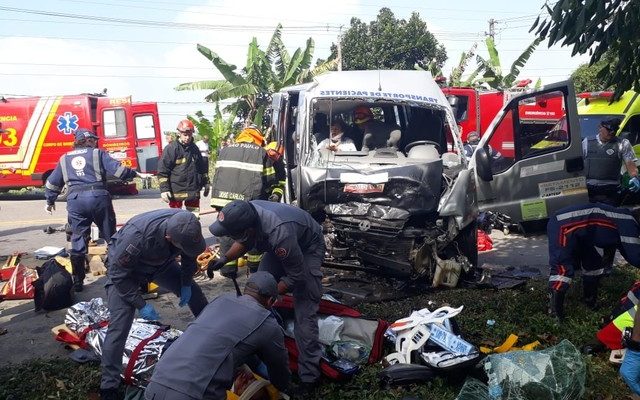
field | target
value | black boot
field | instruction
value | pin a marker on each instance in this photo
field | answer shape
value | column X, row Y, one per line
column 78, row 264
column 556, row 304
column 109, row 394
column 590, row 292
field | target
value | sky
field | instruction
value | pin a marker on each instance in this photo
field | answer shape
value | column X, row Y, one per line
column 144, row 48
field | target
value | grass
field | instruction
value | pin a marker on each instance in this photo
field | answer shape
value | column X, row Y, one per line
column 521, row 311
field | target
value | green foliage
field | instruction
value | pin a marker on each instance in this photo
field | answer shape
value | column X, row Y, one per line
column 455, row 79
column 585, row 77
column 598, row 27
column 492, row 70
column 389, row 43
column 217, row 130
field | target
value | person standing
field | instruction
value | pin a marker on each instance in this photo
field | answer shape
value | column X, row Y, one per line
column 182, row 172
column 229, row 332
column 84, row 170
column 294, row 249
column 144, row 250
column 203, row 146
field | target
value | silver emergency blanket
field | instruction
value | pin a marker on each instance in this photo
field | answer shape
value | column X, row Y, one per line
column 81, row 316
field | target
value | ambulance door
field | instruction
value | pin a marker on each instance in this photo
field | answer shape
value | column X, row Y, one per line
column 543, row 171
column 147, row 136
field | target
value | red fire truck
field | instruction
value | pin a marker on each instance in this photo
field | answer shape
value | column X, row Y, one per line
column 36, row 131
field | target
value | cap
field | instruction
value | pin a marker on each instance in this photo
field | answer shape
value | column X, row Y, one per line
column 84, row 134
column 473, row 137
column 186, row 233
column 611, row 124
column 264, row 283
column 235, row 217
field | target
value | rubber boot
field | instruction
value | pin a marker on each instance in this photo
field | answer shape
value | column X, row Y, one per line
column 78, row 264
column 556, row 304
column 590, row 293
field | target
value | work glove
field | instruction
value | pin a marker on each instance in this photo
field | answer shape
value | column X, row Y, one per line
column 630, row 370
column 207, row 189
column 185, row 295
column 275, row 198
column 634, row 184
column 50, row 208
column 215, row 265
column 165, row 196
column 143, row 175
column 229, row 271
column 149, row 313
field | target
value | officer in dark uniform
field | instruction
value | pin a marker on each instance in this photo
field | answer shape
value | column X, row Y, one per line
column 229, row 332
column 574, row 232
column 145, row 250
column 84, row 170
column 294, row 249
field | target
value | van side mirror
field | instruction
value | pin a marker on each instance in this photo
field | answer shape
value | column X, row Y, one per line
column 483, row 164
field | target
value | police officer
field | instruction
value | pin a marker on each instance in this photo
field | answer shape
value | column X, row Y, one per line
column 182, row 172
column 574, row 232
column 472, row 144
column 294, row 247
column 145, row 250
column 244, row 171
column 229, row 332
column 84, row 170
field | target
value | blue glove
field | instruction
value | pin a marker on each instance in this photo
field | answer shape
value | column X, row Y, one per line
column 630, row 370
column 185, row 295
column 634, row 184
column 149, row 313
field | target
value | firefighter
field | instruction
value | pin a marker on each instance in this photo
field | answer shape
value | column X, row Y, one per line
column 275, row 151
column 294, row 249
column 574, row 232
column 144, row 250
column 244, row 171
column 84, row 170
column 182, row 172
column 231, row 331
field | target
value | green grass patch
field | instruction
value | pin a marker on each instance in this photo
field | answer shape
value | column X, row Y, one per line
column 521, row 311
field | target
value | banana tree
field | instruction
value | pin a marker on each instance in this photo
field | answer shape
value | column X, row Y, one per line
column 455, row 78
column 492, row 70
column 217, row 130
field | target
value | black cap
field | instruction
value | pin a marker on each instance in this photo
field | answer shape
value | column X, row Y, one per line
column 611, row 124
column 263, row 283
column 234, row 218
column 186, row 233
column 84, row 134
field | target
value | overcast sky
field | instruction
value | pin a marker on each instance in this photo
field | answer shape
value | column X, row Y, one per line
column 145, row 48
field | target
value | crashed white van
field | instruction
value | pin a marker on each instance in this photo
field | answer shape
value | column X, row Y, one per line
column 408, row 208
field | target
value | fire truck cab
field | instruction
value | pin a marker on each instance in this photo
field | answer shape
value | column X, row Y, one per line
column 36, row 131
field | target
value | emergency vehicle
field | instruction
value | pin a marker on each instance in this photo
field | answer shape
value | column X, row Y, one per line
column 36, row 131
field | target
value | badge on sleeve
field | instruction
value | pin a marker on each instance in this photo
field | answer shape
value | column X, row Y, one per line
column 281, row 252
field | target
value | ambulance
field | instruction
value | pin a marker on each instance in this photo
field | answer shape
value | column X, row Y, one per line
column 36, row 131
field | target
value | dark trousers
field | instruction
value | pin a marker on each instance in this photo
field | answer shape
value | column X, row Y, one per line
column 607, row 194
column 84, row 208
column 122, row 314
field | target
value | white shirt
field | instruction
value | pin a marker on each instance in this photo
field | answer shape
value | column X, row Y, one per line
column 343, row 145
column 203, row 147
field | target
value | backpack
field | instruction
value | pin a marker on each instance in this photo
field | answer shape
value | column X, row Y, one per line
column 53, row 287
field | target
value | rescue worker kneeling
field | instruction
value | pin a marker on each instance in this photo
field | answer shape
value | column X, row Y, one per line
column 573, row 234
column 229, row 332
column 294, row 249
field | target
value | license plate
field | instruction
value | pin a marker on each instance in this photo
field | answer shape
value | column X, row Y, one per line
column 449, row 341
column 364, row 188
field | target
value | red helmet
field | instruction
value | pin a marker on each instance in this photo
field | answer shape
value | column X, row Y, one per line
column 362, row 114
column 185, row 126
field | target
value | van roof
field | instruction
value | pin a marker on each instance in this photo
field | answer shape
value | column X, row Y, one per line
column 628, row 103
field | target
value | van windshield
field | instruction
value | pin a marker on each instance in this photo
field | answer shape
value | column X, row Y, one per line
column 589, row 123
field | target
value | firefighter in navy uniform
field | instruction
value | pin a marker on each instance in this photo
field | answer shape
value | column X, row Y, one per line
column 294, row 249
column 144, row 250
column 574, row 232
column 84, row 170
column 244, row 171
column 183, row 172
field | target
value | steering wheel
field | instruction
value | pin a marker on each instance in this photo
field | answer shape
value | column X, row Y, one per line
column 421, row 142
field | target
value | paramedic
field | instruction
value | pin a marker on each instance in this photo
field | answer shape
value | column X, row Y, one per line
column 144, row 250
column 84, row 170
column 229, row 332
column 294, row 249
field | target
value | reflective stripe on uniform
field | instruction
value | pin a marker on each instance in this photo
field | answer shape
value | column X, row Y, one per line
column 632, row 297
column 625, row 320
column 595, row 272
column 53, row 187
column 254, row 258
column 269, row 171
column 630, row 239
column 181, row 160
column 95, row 156
column 560, row 278
column 240, row 165
column 63, row 168
column 593, row 210
column 278, row 190
column 219, row 202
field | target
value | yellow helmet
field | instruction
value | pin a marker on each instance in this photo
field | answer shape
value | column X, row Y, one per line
column 251, row 134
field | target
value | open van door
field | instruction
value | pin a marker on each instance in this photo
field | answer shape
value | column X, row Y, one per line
column 283, row 129
column 525, row 173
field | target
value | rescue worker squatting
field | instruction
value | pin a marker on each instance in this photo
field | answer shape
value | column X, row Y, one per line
column 145, row 250
column 578, row 230
column 294, row 247
column 84, row 170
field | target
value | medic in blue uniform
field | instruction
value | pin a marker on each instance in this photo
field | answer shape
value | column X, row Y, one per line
column 84, row 170
column 294, row 249
column 144, row 250
column 573, row 234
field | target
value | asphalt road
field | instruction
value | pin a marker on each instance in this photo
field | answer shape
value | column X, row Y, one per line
column 22, row 220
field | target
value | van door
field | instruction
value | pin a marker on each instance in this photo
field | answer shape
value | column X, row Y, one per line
column 147, row 136
column 543, row 171
column 281, row 126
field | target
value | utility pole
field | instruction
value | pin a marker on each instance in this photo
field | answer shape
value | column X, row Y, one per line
column 340, row 49
column 492, row 29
